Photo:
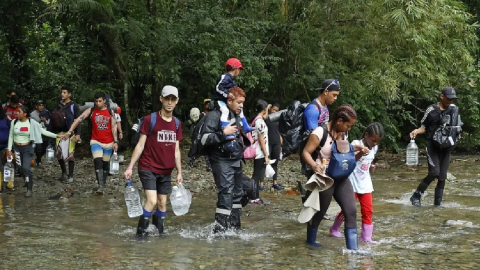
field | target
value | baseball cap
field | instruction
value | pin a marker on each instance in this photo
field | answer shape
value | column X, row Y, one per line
column 169, row 90
column 449, row 92
column 234, row 63
column 39, row 102
column 206, row 100
column 330, row 85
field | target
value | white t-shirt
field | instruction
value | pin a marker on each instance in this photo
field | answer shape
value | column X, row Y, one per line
column 360, row 178
column 260, row 129
column 118, row 118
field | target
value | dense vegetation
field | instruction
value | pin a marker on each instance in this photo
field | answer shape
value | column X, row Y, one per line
column 392, row 56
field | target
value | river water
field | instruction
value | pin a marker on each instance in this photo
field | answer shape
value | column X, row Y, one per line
column 94, row 232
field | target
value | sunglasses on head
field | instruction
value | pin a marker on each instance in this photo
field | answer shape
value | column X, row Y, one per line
column 334, row 82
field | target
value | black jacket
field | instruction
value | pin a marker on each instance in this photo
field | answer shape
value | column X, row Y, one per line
column 215, row 142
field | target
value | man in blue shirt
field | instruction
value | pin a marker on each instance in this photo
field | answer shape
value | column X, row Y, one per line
column 316, row 113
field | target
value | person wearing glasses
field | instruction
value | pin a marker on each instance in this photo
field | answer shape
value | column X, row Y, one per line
column 438, row 158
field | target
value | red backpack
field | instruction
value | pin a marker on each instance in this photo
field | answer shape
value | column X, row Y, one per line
column 250, row 152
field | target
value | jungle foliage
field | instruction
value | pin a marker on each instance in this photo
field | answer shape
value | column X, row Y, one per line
column 392, row 57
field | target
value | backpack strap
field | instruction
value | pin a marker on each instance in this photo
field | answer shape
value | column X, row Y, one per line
column 153, row 121
column 314, row 102
column 324, row 137
column 177, row 122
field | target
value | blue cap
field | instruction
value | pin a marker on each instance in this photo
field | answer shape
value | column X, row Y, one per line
column 129, row 183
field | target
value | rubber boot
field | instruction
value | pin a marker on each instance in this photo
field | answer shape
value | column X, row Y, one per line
column 245, row 126
column 159, row 222
column 438, row 197
column 101, row 186
column 104, row 179
column 416, row 197
column 351, row 238
column 142, row 227
column 235, row 218
column 223, row 125
column 312, row 236
column 29, row 184
column 221, row 223
column 335, row 229
column 367, row 231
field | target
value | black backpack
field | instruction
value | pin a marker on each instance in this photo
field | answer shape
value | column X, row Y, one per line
column 197, row 149
column 153, row 120
column 292, row 128
column 62, row 118
column 448, row 133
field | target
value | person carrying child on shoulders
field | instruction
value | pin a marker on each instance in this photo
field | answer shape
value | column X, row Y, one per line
column 224, row 83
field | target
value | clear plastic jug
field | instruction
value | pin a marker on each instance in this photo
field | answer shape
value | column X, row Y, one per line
column 114, row 163
column 132, row 200
column 181, row 199
column 412, row 154
column 50, row 154
column 9, row 171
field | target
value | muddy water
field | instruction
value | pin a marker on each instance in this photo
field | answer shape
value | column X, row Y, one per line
column 91, row 232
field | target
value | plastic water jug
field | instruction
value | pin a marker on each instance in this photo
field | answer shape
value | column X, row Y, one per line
column 50, row 153
column 181, row 199
column 412, row 153
column 132, row 200
column 114, row 163
column 8, row 171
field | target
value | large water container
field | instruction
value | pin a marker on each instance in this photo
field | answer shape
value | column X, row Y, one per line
column 412, row 153
column 114, row 163
column 50, row 154
column 181, row 199
column 8, row 171
column 132, row 200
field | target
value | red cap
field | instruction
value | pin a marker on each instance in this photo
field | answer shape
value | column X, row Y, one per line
column 234, row 63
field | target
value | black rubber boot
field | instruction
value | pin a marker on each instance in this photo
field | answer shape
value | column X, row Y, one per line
column 159, row 222
column 142, row 227
column 29, row 185
column 101, row 186
column 104, row 179
column 221, row 223
column 438, row 197
column 235, row 218
column 416, row 197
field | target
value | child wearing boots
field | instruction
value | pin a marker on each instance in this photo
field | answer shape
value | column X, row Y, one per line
column 362, row 181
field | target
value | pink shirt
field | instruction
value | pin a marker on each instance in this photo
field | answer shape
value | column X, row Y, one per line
column 326, row 151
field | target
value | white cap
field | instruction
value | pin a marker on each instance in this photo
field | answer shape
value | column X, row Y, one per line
column 169, row 90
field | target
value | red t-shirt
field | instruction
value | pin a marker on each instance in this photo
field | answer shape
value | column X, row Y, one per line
column 13, row 113
column 101, row 126
column 159, row 152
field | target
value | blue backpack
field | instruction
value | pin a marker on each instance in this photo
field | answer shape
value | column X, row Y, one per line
column 153, row 120
column 341, row 164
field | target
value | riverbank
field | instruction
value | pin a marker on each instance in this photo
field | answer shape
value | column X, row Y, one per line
column 197, row 179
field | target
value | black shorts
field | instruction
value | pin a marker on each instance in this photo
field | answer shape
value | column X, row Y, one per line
column 159, row 182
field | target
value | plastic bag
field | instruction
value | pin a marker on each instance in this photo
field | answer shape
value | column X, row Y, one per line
column 269, row 171
column 181, row 198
